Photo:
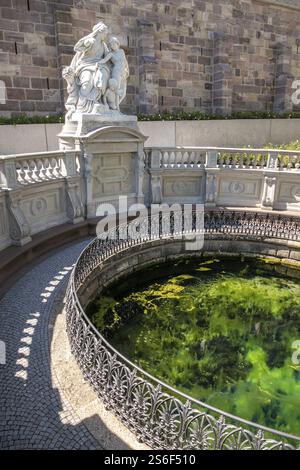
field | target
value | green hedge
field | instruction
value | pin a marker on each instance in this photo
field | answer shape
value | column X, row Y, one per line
column 198, row 116
column 24, row 119
column 195, row 116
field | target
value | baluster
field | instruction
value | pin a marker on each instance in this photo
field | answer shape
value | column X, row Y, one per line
column 234, row 160
column 178, row 159
column 26, row 171
column 221, row 160
column 259, row 161
column 57, row 168
column 20, row 173
column 46, row 165
column 43, row 171
column 53, row 168
column 194, row 159
column 248, row 161
column 266, row 156
column 166, row 159
column 33, row 170
column 202, row 159
column 172, row 159
column 281, row 161
column 290, row 162
column 187, row 159
column 39, row 167
column 242, row 158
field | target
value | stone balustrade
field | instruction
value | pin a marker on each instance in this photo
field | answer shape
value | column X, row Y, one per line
column 46, row 189
column 237, row 177
column 38, row 191
column 246, row 158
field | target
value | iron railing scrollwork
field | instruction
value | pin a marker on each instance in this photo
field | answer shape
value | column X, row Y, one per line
column 159, row 415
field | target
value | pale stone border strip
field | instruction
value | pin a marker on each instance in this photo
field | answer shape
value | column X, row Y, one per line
column 290, row 4
column 102, row 424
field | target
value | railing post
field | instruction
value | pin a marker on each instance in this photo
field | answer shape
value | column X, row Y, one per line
column 155, row 159
column 273, row 159
column 155, row 172
column 140, row 169
column 75, row 208
column 211, row 178
column 210, row 189
column 212, row 159
column 69, row 164
column 10, row 179
column 269, row 189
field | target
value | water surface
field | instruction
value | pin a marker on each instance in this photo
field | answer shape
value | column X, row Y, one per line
column 220, row 330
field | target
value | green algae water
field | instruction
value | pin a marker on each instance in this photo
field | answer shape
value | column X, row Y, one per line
column 221, row 331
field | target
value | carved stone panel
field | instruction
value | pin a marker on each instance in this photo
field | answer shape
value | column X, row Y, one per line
column 289, row 192
column 182, row 187
column 44, row 209
column 113, row 175
column 239, row 191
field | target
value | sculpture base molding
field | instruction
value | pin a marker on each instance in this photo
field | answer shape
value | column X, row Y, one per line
column 82, row 124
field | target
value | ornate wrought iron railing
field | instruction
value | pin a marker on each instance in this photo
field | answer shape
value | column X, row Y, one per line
column 158, row 414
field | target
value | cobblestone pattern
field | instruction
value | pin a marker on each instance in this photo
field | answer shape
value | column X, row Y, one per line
column 177, row 62
column 33, row 412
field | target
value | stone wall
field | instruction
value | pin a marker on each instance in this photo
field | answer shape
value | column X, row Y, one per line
column 214, row 56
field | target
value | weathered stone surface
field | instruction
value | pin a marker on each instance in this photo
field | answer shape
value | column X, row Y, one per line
column 97, row 75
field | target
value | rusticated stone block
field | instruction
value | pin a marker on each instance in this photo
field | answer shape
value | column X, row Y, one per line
column 26, row 27
column 40, row 62
column 39, row 83
column 27, row 106
column 15, row 94
column 21, row 82
column 34, row 95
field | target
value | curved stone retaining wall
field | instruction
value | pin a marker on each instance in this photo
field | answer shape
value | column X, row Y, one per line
column 139, row 257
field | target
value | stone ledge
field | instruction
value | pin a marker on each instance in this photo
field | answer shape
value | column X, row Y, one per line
column 292, row 4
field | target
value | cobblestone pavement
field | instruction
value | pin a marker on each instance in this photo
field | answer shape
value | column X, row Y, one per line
column 33, row 413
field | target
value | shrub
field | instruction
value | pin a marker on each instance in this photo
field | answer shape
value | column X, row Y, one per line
column 165, row 116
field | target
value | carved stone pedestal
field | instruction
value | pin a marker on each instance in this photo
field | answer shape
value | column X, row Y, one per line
column 112, row 160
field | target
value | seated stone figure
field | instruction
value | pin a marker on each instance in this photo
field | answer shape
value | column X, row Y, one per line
column 87, row 81
column 97, row 75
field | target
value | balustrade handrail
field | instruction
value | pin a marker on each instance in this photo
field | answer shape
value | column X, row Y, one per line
column 225, row 149
column 46, row 153
column 96, row 256
column 163, row 149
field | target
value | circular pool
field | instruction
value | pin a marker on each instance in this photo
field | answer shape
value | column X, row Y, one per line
column 220, row 330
